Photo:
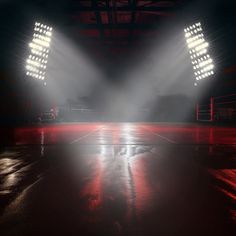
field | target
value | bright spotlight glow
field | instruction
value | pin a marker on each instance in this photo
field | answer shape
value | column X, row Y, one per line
column 36, row 62
column 198, row 50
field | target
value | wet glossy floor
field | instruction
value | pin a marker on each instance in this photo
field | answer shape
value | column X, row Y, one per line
column 118, row 179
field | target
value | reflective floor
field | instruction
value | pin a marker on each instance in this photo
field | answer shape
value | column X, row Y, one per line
column 118, row 179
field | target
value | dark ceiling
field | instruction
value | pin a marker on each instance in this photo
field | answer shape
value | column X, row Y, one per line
column 119, row 22
column 110, row 28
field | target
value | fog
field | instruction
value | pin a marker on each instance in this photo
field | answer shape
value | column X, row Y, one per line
column 70, row 72
column 158, row 80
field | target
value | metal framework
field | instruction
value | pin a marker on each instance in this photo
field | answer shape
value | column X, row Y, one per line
column 119, row 22
column 221, row 108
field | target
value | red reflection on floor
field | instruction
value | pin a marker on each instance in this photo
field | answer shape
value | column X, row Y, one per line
column 228, row 178
column 141, row 133
column 195, row 134
column 142, row 186
column 124, row 179
column 46, row 134
column 93, row 189
column 227, row 185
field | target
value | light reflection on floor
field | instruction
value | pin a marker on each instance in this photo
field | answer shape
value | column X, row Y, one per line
column 119, row 179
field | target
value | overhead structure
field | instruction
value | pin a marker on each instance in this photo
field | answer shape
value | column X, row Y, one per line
column 118, row 25
column 198, row 49
column 36, row 62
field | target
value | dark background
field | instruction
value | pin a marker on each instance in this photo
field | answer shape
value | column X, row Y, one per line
column 114, row 35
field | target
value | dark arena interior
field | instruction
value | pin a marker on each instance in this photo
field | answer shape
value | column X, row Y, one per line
column 118, row 117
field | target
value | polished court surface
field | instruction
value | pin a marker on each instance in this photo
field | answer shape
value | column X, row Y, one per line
column 118, row 179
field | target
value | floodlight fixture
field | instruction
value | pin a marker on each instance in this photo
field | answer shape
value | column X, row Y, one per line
column 198, row 49
column 37, row 60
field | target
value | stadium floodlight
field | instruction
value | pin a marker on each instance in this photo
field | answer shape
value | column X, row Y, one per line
column 198, row 49
column 36, row 62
